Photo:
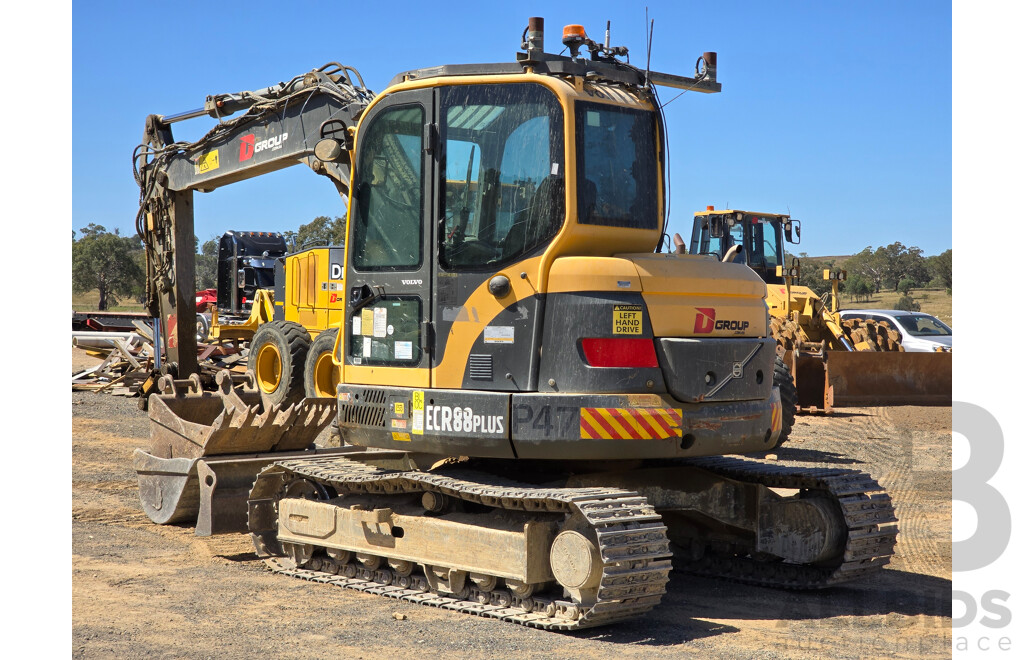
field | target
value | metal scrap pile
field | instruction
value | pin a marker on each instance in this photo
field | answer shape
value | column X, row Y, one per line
column 129, row 365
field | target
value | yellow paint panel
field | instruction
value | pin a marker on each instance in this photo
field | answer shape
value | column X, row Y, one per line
column 569, row 274
column 395, row 376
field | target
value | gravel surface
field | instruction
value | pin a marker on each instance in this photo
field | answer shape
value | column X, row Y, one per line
column 141, row 590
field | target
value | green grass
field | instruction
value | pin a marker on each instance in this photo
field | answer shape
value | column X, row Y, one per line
column 89, row 302
column 933, row 301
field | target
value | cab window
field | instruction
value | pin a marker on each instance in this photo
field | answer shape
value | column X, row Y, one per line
column 616, row 163
column 503, row 191
column 387, row 232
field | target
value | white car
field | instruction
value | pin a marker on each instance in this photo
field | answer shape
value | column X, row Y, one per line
column 919, row 333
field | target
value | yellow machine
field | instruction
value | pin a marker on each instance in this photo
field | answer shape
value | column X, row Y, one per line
column 534, row 401
column 833, row 362
column 290, row 327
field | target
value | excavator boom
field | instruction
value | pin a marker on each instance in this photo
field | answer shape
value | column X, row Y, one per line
column 280, row 128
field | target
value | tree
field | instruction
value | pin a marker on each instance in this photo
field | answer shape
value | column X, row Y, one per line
column 940, row 267
column 905, row 285
column 321, row 231
column 105, row 261
column 206, row 264
column 907, row 304
column 858, row 287
column 867, row 264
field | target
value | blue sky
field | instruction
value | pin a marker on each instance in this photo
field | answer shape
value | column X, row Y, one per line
column 837, row 113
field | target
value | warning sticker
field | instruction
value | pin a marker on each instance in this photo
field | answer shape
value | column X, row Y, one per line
column 399, row 407
column 367, row 322
column 380, row 321
column 417, row 412
column 208, row 162
column 398, row 436
column 627, row 320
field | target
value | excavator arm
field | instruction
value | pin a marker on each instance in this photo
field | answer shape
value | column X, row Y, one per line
column 281, row 127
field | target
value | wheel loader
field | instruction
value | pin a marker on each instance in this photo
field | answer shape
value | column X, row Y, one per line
column 834, row 363
column 532, row 429
column 285, row 306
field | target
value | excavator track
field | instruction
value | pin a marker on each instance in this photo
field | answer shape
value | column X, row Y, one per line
column 631, row 539
column 865, row 506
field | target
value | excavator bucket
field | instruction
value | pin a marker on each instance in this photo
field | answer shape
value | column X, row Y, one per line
column 858, row 378
column 207, row 448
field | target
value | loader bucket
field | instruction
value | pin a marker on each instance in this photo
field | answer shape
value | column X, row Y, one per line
column 207, row 448
column 889, row 378
column 808, row 373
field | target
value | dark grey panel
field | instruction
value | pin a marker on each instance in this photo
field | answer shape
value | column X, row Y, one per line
column 717, row 369
column 447, row 422
column 546, row 426
column 510, row 343
column 570, row 317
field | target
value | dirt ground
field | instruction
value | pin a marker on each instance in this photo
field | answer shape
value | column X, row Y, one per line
column 141, row 590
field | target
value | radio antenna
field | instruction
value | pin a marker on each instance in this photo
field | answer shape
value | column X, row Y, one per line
column 650, row 38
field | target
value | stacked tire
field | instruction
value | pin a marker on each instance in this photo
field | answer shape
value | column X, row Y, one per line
column 877, row 335
column 786, row 333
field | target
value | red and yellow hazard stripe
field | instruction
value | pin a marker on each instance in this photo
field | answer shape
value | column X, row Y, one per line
column 630, row 423
column 776, row 417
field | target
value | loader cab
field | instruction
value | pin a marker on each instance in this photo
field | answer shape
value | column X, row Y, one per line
column 462, row 188
column 760, row 235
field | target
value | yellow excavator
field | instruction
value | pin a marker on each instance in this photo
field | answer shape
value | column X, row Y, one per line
column 833, row 363
column 533, row 431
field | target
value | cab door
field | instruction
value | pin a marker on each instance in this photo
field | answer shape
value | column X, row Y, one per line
column 388, row 265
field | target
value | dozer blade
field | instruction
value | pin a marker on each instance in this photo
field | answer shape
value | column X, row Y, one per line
column 207, row 448
column 889, row 378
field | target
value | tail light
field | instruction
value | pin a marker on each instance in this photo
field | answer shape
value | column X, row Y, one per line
column 619, row 352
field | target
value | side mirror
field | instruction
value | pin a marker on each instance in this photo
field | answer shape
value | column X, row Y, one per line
column 792, row 229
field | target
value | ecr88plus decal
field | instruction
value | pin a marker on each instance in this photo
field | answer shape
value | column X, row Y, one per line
column 459, row 419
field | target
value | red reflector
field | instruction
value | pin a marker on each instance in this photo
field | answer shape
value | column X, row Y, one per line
column 616, row 352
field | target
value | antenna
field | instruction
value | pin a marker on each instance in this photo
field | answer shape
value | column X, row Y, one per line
column 650, row 37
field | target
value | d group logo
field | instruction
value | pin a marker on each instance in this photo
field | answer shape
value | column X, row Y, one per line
column 249, row 147
column 705, row 321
